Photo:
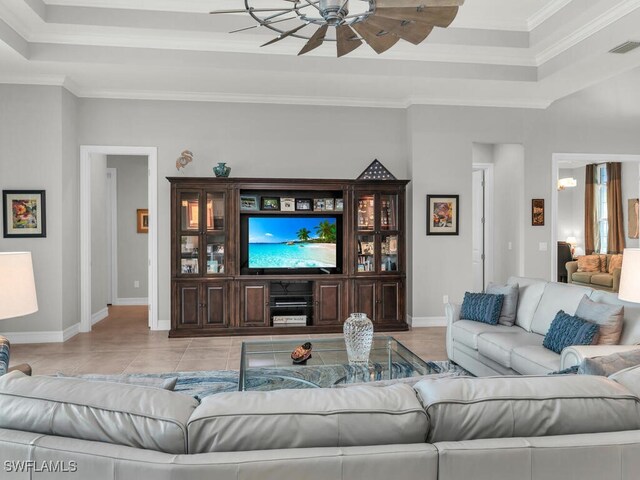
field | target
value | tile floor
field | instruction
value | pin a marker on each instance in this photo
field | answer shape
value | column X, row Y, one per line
column 122, row 343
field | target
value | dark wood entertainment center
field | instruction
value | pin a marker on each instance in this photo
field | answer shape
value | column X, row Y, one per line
column 215, row 291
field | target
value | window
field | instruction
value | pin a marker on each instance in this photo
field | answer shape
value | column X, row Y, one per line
column 601, row 202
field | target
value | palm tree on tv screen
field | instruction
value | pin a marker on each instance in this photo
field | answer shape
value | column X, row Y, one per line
column 303, row 234
column 326, row 231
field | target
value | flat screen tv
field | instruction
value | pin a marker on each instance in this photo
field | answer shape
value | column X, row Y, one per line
column 292, row 242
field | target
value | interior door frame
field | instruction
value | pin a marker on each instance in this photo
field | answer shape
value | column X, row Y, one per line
column 85, row 228
column 113, row 233
column 489, row 270
column 585, row 158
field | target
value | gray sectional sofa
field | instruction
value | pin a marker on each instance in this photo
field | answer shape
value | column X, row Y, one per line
column 485, row 350
column 456, row 428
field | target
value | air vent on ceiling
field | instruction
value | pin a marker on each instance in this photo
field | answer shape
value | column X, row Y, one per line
column 625, row 47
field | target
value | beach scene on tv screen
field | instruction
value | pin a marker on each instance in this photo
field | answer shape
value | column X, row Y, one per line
column 292, row 242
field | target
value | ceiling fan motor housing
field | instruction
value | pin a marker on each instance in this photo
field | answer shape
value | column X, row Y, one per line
column 334, row 11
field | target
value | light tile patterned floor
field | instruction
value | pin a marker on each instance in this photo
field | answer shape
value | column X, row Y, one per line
column 122, row 343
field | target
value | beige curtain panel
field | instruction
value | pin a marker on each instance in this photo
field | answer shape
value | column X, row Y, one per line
column 591, row 232
column 615, row 212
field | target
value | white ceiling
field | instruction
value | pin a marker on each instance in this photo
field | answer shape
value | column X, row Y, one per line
column 511, row 53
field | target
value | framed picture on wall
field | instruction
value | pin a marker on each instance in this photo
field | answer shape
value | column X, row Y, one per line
column 634, row 218
column 537, row 212
column 24, row 213
column 142, row 215
column 443, row 216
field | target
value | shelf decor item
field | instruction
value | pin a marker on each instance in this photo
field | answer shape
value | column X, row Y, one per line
column 269, row 203
column 443, row 217
column 358, row 337
column 303, row 204
column 221, row 170
column 24, row 213
column 288, row 204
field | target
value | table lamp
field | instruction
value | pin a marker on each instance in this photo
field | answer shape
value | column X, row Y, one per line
column 572, row 241
column 630, row 276
column 17, row 293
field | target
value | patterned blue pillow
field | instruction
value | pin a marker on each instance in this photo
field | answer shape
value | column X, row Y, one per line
column 482, row 307
column 567, row 330
column 4, row 355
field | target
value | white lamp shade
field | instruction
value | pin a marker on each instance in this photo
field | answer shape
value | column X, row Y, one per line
column 17, row 286
column 572, row 240
column 630, row 276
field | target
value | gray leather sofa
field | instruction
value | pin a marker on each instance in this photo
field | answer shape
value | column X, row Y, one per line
column 457, row 428
column 486, row 350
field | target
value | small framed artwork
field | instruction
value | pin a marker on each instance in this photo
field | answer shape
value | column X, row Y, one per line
column 24, row 213
column 142, row 215
column 270, row 203
column 248, row 202
column 537, row 212
column 339, row 204
column 303, row 204
column 287, row 204
column 633, row 227
column 318, row 205
column 443, row 216
column 329, row 204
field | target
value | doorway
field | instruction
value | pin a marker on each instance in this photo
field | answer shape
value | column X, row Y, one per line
column 482, row 225
column 568, row 223
column 88, row 156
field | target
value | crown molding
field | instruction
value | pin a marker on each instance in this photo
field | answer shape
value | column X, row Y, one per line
column 528, row 103
column 42, row 80
column 591, row 28
column 545, row 13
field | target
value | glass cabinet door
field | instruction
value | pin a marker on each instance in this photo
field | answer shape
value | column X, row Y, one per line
column 388, row 212
column 189, row 211
column 365, row 219
column 215, row 237
column 366, row 245
column 389, row 253
column 189, row 254
column 215, row 254
column 215, row 212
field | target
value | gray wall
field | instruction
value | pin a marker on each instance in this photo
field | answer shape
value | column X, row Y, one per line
column 132, row 182
column 99, row 254
column 36, row 148
column 255, row 140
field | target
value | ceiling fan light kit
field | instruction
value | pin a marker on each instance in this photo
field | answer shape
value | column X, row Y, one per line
column 379, row 23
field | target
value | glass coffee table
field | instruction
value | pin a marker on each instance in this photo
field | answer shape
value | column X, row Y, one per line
column 267, row 364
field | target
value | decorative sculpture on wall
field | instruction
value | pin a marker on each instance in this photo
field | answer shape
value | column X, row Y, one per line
column 185, row 158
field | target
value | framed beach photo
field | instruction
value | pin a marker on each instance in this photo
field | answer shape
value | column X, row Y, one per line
column 270, row 203
column 537, row 212
column 24, row 213
column 443, row 216
column 249, row 202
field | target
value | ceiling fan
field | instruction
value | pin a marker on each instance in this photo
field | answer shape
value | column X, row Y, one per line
column 380, row 23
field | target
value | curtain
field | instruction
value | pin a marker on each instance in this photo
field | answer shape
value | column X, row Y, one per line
column 591, row 231
column 615, row 213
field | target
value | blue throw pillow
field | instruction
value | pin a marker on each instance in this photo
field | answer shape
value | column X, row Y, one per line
column 482, row 307
column 567, row 330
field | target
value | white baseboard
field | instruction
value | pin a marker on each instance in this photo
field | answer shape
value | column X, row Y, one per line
column 164, row 325
column 131, row 301
column 420, row 322
column 70, row 332
column 43, row 337
column 99, row 315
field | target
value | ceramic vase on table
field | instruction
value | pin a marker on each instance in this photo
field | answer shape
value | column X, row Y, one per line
column 358, row 337
column 221, row 170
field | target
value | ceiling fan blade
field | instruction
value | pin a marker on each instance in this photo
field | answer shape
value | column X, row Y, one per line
column 437, row 16
column 244, row 10
column 418, row 3
column 377, row 38
column 412, row 32
column 316, row 40
column 347, row 40
column 284, row 35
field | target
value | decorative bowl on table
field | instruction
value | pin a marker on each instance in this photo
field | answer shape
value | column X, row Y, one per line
column 302, row 353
